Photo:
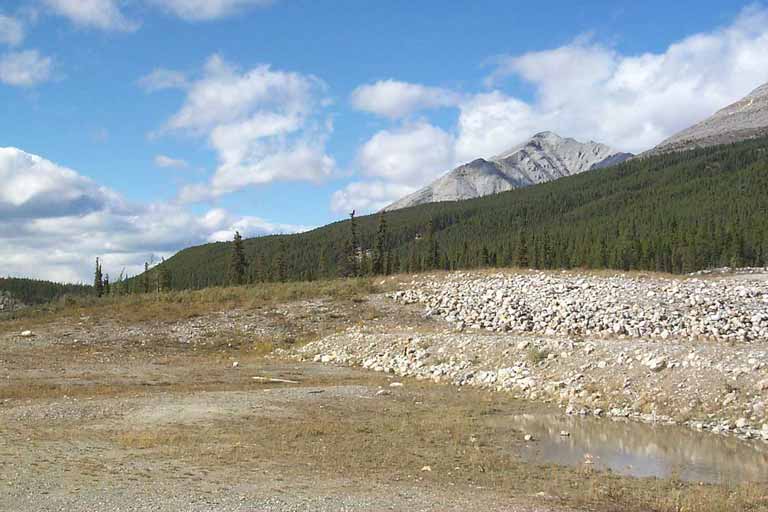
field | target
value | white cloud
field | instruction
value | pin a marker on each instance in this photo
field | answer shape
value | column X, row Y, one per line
column 247, row 226
column 490, row 123
column 99, row 14
column 202, row 10
column 412, row 154
column 166, row 161
column 584, row 90
column 35, row 187
column 225, row 95
column 368, row 196
column 53, row 222
column 11, row 31
column 632, row 102
column 25, row 68
column 398, row 161
column 394, row 99
column 260, row 123
column 162, row 78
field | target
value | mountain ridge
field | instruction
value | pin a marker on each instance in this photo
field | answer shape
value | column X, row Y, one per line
column 744, row 119
column 544, row 157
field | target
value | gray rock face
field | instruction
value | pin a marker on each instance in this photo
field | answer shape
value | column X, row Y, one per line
column 745, row 119
column 545, row 157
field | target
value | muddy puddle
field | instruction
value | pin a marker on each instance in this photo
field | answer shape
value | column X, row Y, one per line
column 641, row 450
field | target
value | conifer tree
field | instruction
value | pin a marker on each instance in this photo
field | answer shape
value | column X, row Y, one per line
column 323, row 269
column 432, row 260
column 145, row 278
column 98, row 279
column 522, row 251
column 237, row 261
column 164, row 277
column 354, row 256
column 106, row 290
column 380, row 253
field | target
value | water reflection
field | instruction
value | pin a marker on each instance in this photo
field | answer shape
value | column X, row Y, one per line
column 641, row 450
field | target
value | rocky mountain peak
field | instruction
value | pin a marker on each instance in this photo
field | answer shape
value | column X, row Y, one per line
column 544, row 157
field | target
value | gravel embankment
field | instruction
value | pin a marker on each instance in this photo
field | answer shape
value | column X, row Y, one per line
column 692, row 308
column 690, row 351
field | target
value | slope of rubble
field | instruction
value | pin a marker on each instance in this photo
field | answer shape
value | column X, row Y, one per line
column 677, row 350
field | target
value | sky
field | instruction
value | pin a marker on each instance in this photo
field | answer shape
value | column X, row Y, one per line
column 130, row 129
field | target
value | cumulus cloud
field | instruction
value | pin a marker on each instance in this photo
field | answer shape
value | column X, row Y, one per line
column 411, row 154
column 366, row 196
column 11, row 31
column 395, row 99
column 583, row 89
column 632, row 102
column 490, row 123
column 203, row 10
column 54, row 221
column 25, row 68
column 260, row 123
column 162, row 78
column 36, row 188
column 398, row 161
column 98, row 14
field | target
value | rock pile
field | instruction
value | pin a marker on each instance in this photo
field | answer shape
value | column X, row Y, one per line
column 590, row 305
column 645, row 348
column 8, row 303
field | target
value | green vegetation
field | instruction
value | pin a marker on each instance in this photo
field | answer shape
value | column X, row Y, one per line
column 32, row 291
column 676, row 213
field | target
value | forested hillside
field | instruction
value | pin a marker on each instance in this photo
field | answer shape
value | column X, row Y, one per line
column 32, row 291
column 675, row 212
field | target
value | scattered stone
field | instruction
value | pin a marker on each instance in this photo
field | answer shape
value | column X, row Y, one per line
column 657, row 364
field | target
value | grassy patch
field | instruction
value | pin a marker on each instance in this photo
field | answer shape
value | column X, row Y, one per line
column 179, row 305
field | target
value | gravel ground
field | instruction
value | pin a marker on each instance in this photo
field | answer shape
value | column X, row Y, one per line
column 108, row 413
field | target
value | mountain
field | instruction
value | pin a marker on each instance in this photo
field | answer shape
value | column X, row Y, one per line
column 545, row 157
column 676, row 212
column 745, row 119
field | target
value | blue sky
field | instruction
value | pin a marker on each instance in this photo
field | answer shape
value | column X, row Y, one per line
column 134, row 128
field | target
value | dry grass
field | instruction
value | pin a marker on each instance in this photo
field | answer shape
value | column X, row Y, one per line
column 178, row 305
column 394, row 439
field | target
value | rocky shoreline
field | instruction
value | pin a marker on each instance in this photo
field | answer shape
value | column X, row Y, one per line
column 684, row 351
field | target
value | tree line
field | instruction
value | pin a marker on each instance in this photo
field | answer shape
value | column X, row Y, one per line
column 34, row 291
column 676, row 212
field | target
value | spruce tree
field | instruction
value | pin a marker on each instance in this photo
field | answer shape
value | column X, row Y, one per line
column 145, row 278
column 522, row 251
column 165, row 277
column 237, row 261
column 432, row 260
column 354, row 256
column 106, row 287
column 98, row 280
column 380, row 253
column 323, row 269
